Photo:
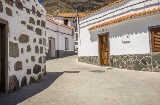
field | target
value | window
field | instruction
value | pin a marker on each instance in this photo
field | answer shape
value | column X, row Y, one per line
column 66, row 21
column 66, row 44
column 155, row 35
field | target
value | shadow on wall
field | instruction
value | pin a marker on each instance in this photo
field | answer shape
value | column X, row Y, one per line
column 26, row 92
column 130, row 27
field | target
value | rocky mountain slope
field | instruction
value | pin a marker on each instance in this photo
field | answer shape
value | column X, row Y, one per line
column 84, row 6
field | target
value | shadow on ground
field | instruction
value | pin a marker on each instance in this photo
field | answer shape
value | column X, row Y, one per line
column 30, row 90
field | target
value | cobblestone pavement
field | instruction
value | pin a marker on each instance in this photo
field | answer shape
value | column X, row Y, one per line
column 93, row 85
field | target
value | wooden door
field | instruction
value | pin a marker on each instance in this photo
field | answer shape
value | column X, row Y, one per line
column 104, row 50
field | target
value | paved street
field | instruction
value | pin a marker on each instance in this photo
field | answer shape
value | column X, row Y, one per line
column 88, row 85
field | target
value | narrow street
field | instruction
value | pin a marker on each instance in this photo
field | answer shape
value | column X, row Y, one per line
column 71, row 83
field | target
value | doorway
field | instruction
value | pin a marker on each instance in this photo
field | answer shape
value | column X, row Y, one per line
column 104, row 50
column 51, row 47
column 3, row 56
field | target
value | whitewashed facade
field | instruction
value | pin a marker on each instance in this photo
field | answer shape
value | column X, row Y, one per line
column 130, row 42
column 59, row 39
column 22, row 28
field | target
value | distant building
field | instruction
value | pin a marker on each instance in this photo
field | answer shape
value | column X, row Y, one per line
column 68, row 19
column 60, row 38
column 124, row 34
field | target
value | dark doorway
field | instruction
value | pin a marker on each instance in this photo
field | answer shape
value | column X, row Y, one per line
column 3, row 56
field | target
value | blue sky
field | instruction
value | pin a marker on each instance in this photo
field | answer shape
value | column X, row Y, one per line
column 40, row 1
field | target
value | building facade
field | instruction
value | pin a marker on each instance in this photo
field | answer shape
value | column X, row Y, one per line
column 60, row 39
column 22, row 44
column 124, row 34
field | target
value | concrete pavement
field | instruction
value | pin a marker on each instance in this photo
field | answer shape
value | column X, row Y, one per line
column 92, row 85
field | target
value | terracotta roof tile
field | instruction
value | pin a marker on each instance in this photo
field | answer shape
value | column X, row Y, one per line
column 54, row 22
column 125, row 17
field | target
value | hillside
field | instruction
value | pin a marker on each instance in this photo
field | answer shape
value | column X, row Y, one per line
column 84, row 6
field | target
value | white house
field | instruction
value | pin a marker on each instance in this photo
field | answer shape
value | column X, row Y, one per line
column 124, row 34
column 22, row 43
column 59, row 39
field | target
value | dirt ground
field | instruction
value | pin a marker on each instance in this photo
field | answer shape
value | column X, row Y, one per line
column 71, row 83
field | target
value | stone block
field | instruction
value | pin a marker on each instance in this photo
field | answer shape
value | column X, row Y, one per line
column 38, row 31
column 33, row 58
column 36, row 69
column 40, row 40
column 31, row 20
column 27, row 10
column 34, row 40
column 23, row 38
column 43, row 24
column 38, row 22
column 36, row 49
column 40, row 60
column 41, row 50
column 33, row 9
column 23, row 22
column 40, row 76
column 18, row 66
column 8, row 11
column 28, row 48
column 28, row 71
column 9, row 2
column 29, row 27
column 13, row 83
column 32, row 80
column 24, row 81
column 1, row 6
column 38, row 14
column 19, row 4
column 13, row 50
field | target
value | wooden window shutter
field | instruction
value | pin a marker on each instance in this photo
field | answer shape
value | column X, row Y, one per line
column 155, row 39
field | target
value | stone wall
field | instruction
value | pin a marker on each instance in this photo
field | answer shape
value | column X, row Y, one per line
column 27, row 41
column 94, row 60
column 139, row 62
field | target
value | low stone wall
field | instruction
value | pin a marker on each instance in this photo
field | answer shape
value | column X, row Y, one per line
column 140, row 62
column 61, row 54
column 94, row 60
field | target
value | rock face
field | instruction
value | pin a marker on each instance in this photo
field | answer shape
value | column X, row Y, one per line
column 13, row 50
column 23, row 38
column 13, row 83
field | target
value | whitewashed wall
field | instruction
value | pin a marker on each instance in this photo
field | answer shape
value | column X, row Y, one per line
column 15, row 30
column 59, row 19
column 137, row 29
column 60, row 37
